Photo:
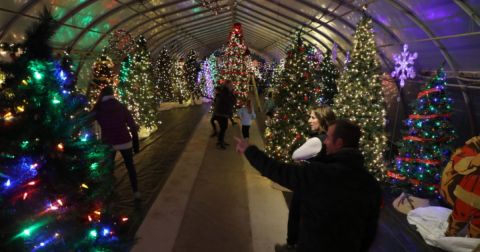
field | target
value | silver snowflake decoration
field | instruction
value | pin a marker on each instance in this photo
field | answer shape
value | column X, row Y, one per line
column 404, row 65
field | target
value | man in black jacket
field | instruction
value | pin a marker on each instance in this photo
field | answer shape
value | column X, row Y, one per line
column 340, row 202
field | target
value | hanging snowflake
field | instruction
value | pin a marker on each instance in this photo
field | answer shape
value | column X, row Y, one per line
column 319, row 56
column 404, row 65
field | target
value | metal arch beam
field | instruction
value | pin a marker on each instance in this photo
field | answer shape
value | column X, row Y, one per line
column 180, row 25
column 219, row 27
column 168, row 36
column 197, row 30
column 270, row 30
column 309, row 17
column 298, row 22
column 276, row 20
column 190, row 24
column 75, row 10
column 277, row 27
column 80, row 65
column 354, row 8
column 175, row 19
column 327, row 26
column 114, row 11
column 153, row 20
column 10, row 22
column 187, row 42
column 469, row 10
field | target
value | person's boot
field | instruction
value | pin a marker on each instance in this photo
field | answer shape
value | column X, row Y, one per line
column 473, row 231
column 454, row 227
column 221, row 145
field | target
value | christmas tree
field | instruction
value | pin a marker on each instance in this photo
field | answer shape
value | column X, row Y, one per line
column 426, row 147
column 163, row 86
column 234, row 63
column 205, row 81
column 327, row 75
column 103, row 75
column 179, row 83
column 53, row 174
column 212, row 63
column 191, row 75
column 289, row 128
column 136, row 86
column 360, row 98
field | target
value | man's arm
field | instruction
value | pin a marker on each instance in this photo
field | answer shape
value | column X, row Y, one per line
column 287, row 175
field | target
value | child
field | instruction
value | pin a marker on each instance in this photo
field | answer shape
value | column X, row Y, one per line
column 246, row 115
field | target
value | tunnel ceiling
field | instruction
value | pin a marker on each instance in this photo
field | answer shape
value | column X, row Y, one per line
column 439, row 30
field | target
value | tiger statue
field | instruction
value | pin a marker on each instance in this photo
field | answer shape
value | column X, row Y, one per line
column 460, row 187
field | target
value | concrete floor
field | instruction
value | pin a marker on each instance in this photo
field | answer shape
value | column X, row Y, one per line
column 214, row 201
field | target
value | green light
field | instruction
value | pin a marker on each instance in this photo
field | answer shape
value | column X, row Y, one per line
column 26, row 232
column 94, row 166
column 55, row 101
column 38, row 75
column 24, row 144
column 93, row 233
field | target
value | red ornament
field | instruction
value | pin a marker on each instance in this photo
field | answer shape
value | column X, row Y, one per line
column 306, row 75
column 301, row 49
column 305, row 98
column 298, row 136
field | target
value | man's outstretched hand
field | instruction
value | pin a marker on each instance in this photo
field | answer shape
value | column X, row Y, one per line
column 241, row 145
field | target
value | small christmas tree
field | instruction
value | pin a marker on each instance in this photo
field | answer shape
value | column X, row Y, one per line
column 191, row 74
column 289, row 127
column 205, row 81
column 103, row 75
column 55, row 177
column 426, row 147
column 136, row 86
column 234, row 63
column 212, row 63
column 360, row 98
column 163, row 84
column 179, row 83
column 327, row 74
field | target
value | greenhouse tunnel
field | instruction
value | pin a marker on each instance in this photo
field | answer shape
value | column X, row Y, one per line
column 444, row 33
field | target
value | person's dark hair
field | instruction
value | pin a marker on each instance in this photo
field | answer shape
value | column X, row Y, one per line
column 348, row 131
column 108, row 90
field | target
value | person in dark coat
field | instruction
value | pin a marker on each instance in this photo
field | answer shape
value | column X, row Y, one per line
column 118, row 130
column 311, row 150
column 340, row 200
column 222, row 111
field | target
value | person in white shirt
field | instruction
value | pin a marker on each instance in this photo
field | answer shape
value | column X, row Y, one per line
column 246, row 114
column 313, row 148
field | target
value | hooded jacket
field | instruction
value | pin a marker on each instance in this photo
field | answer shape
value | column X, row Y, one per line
column 340, row 200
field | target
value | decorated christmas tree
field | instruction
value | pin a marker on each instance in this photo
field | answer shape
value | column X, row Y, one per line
column 426, row 146
column 212, row 63
column 54, row 176
column 103, row 75
column 205, row 81
column 136, row 88
column 289, row 128
column 179, row 83
column 234, row 63
column 191, row 75
column 360, row 98
column 163, row 86
column 327, row 75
